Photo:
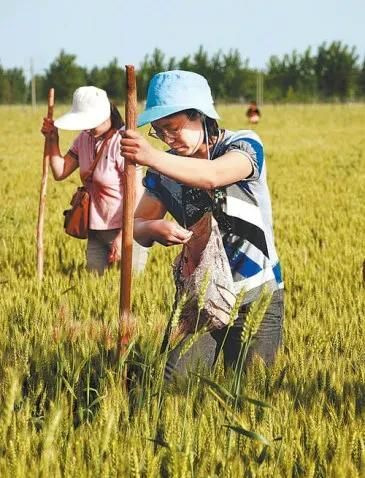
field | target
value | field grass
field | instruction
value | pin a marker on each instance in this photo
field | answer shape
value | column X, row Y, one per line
column 64, row 411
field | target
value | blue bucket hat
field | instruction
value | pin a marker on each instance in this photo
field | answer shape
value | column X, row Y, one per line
column 172, row 91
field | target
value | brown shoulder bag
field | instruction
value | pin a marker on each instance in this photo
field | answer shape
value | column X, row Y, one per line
column 76, row 221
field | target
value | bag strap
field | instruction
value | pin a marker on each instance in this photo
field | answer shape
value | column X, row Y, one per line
column 108, row 135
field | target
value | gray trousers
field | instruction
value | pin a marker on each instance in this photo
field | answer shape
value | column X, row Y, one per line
column 205, row 350
column 98, row 248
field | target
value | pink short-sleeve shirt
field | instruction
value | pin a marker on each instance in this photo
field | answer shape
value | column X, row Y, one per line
column 105, row 190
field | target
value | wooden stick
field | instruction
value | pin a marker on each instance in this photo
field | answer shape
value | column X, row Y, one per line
column 43, row 193
column 129, row 181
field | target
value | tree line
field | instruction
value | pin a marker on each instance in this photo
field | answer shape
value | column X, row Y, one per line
column 333, row 73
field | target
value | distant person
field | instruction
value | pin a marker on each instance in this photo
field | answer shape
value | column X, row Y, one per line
column 253, row 113
column 98, row 119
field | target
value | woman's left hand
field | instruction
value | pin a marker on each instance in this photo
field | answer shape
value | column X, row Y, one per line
column 136, row 148
column 115, row 250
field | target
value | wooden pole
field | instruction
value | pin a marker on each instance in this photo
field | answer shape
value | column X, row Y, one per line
column 43, row 193
column 129, row 180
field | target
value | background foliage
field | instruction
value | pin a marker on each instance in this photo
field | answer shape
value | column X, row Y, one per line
column 333, row 73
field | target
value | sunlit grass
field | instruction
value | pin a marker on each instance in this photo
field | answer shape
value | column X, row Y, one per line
column 64, row 411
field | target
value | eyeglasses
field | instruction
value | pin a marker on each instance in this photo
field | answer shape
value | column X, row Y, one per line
column 161, row 133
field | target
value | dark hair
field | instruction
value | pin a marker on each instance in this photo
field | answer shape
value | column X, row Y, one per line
column 115, row 117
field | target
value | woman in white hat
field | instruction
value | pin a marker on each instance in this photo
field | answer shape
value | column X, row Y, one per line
column 98, row 119
column 230, row 166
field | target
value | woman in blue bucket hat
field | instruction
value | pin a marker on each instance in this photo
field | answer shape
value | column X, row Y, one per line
column 208, row 168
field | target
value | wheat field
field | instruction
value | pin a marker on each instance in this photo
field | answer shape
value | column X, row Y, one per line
column 64, row 410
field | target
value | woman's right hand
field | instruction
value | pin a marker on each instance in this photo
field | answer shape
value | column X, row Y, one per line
column 49, row 130
column 168, row 233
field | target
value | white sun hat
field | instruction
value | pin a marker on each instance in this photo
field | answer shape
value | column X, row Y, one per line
column 90, row 108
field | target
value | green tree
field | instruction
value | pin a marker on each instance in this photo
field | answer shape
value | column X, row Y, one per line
column 216, row 77
column 110, row 78
column 96, row 77
column 329, row 74
column 40, row 87
column 185, row 63
column 65, row 76
column 18, row 85
column 150, row 66
column 361, row 81
column 238, row 79
column 335, row 68
column 4, row 86
column 13, row 87
column 115, row 81
column 332, row 73
column 286, row 78
column 201, row 63
column 307, row 82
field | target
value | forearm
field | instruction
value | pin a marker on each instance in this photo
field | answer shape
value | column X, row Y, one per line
column 57, row 161
column 139, row 185
column 142, row 232
column 61, row 166
column 200, row 173
column 57, row 164
column 194, row 172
